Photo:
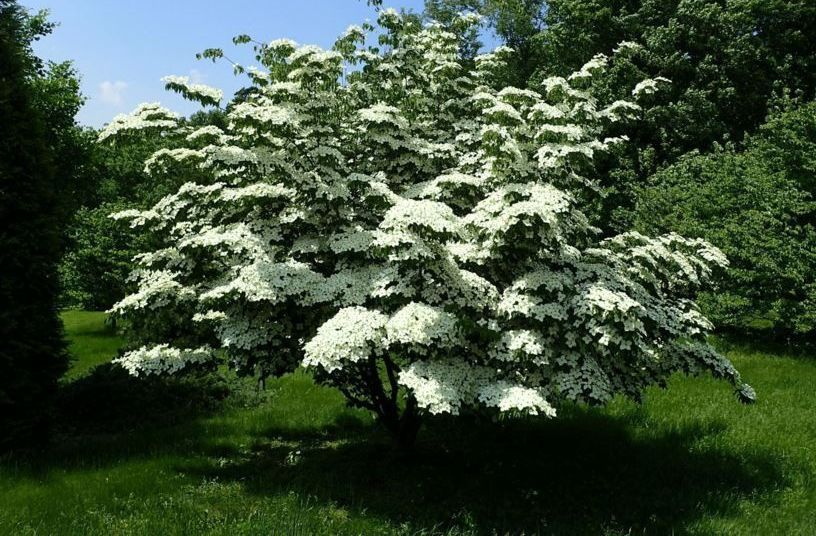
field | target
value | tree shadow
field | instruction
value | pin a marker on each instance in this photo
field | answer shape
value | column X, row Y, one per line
column 584, row 473
column 108, row 416
column 747, row 341
column 110, row 400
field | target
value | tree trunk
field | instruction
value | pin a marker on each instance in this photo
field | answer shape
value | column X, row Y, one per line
column 403, row 428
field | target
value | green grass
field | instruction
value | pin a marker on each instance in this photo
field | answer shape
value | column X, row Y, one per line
column 92, row 342
column 136, row 457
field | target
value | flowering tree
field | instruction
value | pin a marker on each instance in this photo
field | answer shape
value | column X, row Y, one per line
column 390, row 219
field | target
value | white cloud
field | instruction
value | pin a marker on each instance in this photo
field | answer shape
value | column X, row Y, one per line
column 196, row 77
column 112, row 92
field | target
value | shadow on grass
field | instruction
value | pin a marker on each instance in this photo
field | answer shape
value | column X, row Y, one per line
column 109, row 400
column 753, row 341
column 582, row 474
column 107, row 417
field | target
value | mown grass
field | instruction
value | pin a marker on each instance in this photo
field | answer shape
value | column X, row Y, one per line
column 155, row 457
column 92, row 341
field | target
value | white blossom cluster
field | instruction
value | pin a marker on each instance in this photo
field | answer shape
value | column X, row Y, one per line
column 445, row 386
column 408, row 227
column 162, row 359
column 195, row 92
column 145, row 116
column 422, row 325
column 351, row 335
column 649, row 86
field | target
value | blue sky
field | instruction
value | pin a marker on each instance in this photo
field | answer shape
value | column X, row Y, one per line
column 122, row 47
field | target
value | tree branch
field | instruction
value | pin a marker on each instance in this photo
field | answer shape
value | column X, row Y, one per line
column 391, row 369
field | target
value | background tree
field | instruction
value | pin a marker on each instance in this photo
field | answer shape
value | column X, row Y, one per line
column 97, row 259
column 94, row 270
column 758, row 206
column 516, row 22
column 32, row 212
column 56, row 94
column 728, row 60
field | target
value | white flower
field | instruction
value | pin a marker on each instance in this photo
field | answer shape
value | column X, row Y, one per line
column 421, row 324
column 162, row 358
column 197, row 92
column 421, row 215
column 446, row 386
column 383, row 114
column 145, row 116
column 597, row 63
column 350, row 335
column 157, row 288
column 626, row 45
column 649, row 86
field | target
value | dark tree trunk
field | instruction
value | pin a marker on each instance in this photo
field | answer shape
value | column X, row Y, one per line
column 403, row 425
column 405, row 428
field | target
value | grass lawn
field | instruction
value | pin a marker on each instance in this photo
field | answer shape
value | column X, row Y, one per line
column 91, row 341
column 147, row 457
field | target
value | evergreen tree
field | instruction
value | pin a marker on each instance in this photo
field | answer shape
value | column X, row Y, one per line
column 32, row 353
